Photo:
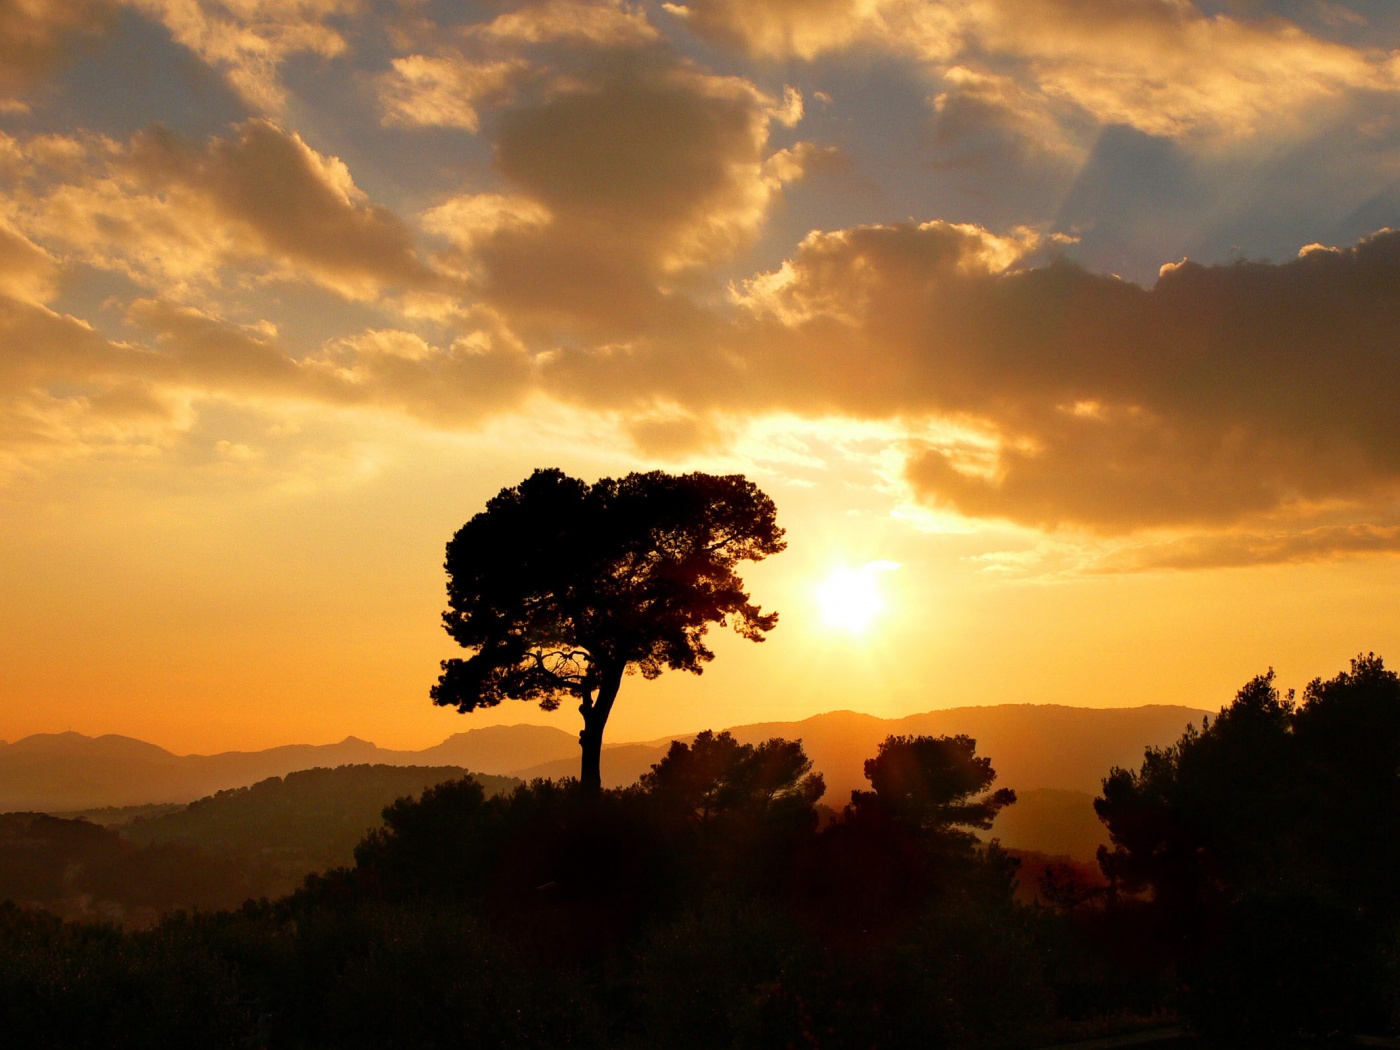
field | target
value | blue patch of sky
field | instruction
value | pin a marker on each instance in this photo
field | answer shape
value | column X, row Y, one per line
column 1358, row 23
column 333, row 106
column 133, row 77
column 1141, row 201
column 1134, row 205
column 1334, row 189
column 875, row 112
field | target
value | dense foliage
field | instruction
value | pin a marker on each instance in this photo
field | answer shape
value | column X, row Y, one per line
column 559, row 588
column 1267, row 843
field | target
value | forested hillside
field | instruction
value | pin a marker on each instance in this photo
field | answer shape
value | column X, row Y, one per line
column 257, row 841
column 307, row 821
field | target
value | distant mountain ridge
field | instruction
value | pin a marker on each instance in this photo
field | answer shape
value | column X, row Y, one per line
column 54, row 772
column 1031, row 747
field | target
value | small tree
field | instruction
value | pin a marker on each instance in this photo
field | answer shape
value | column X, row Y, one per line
column 560, row 588
column 716, row 776
column 737, row 815
column 934, row 783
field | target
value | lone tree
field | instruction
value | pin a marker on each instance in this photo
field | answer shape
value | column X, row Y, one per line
column 560, row 588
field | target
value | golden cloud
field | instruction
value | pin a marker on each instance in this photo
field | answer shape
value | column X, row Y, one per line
column 443, row 90
column 1236, row 549
column 174, row 214
column 210, row 355
column 248, row 40
column 623, row 184
column 601, row 23
column 584, row 267
column 43, row 347
column 68, row 390
column 806, row 29
column 1221, row 395
column 479, row 375
column 449, row 86
column 843, row 274
column 1160, row 66
column 1222, row 392
column 317, row 218
column 1167, row 69
column 1251, row 401
column 27, row 272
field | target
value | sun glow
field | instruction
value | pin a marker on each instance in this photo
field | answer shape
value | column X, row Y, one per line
column 850, row 599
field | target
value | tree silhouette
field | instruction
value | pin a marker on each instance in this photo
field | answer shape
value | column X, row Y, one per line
column 559, row 588
column 1268, row 842
column 736, row 815
column 1349, row 729
column 716, row 775
column 1221, row 808
column 933, row 783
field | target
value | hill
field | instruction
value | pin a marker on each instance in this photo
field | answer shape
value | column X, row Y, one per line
column 58, row 772
column 260, row 840
column 309, row 820
column 501, row 750
column 1031, row 746
column 1052, row 822
column 81, row 870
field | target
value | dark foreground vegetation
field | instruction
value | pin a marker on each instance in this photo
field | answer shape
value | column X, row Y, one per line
column 1249, row 894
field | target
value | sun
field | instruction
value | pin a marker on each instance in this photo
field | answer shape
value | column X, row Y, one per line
column 850, row 599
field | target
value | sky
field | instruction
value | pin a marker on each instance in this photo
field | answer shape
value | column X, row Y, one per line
column 1068, row 329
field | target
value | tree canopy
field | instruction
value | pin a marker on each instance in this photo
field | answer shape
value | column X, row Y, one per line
column 715, row 775
column 933, row 783
column 1267, row 842
column 1270, row 795
column 559, row 588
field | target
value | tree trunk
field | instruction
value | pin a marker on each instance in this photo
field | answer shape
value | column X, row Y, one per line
column 590, row 740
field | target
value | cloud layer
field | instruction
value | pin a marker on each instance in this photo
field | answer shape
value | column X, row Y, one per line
column 1161, row 66
column 590, row 205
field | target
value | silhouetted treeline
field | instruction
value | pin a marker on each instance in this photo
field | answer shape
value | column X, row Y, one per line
column 1260, row 855
column 1250, row 895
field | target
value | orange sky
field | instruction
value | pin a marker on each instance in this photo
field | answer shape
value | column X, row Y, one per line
column 1079, row 317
